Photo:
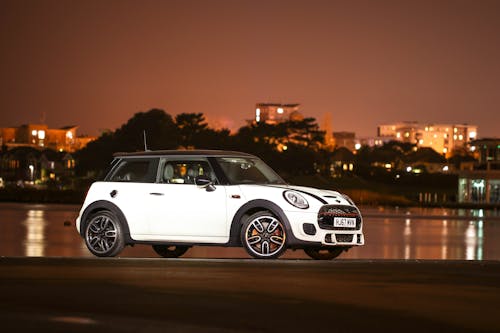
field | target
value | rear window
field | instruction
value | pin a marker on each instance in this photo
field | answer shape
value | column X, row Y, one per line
column 135, row 170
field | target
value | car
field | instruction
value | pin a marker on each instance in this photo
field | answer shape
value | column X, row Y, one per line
column 176, row 199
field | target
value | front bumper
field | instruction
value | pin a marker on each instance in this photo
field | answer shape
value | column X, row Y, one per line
column 311, row 227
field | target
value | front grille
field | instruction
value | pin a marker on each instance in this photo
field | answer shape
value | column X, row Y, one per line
column 328, row 212
column 344, row 238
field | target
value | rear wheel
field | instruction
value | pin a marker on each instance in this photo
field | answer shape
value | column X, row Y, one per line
column 104, row 234
column 324, row 253
column 263, row 236
column 170, row 251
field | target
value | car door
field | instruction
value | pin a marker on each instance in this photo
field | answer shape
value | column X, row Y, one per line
column 180, row 210
column 128, row 188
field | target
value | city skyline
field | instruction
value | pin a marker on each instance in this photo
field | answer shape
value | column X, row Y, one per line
column 95, row 64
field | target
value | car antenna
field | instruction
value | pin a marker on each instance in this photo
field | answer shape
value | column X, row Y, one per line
column 145, row 143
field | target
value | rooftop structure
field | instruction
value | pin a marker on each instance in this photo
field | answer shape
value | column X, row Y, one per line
column 272, row 113
column 40, row 136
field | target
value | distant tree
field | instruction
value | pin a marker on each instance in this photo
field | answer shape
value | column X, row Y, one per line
column 190, row 127
column 161, row 133
column 425, row 155
column 291, row 147
column 194, row 132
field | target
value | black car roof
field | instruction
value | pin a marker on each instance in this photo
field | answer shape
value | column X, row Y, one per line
column 195, row 152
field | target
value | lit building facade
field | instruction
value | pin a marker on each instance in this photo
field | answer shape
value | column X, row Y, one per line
column 481, row 184
column 272, row 113
column 443, row 138
column 41, row 137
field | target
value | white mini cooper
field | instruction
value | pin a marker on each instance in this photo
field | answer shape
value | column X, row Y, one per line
column 173, row 200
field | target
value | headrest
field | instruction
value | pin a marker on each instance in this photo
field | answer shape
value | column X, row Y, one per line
column 168, row 172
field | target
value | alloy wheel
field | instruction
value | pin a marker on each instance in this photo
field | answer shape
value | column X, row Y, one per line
column 264, row 236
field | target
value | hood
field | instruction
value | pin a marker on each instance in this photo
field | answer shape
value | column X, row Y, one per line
column 325, row 196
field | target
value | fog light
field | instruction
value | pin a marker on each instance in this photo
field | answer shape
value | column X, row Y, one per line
column 309, row 229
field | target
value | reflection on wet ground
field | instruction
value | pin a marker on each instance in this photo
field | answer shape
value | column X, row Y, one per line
column 391, row 233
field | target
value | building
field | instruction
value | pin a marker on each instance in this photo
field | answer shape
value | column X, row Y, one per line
column 272, row 113
column 345, row 139
column 41, row 137
column 481, row 184
column 24, row 165
column 443, row 138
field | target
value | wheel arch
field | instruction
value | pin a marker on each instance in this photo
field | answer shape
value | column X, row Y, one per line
column 101, row 205
column 255, row 206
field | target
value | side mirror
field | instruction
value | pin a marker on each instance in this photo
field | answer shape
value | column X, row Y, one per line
column 204, row 182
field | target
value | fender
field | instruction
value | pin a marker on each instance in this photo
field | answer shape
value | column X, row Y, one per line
column 255, row 206
column 105, row 205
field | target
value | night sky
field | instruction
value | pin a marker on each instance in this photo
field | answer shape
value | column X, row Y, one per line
column 96, row 63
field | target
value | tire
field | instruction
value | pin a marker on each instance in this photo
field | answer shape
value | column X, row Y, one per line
column 104, row 235
column 324, row 253
column 263, row 236
column 170, row 251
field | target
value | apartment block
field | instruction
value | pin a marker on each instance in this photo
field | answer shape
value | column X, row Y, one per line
column 443, row 138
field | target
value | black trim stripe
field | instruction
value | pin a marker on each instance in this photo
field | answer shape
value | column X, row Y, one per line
column 324, row 202
column 286, row 188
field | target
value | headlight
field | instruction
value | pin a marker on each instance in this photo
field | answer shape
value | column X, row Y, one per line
column 295, row 199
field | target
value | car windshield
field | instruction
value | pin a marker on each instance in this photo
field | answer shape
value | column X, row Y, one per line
column 246, row 170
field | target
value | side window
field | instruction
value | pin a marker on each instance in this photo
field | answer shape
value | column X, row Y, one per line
column 185, row 171
column 135, row 170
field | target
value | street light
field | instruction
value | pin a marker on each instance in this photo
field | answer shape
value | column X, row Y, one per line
column 32, row 169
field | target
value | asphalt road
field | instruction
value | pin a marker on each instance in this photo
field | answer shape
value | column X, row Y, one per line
column 192, row 295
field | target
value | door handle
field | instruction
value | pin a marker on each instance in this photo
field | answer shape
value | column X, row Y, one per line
column 156, row 193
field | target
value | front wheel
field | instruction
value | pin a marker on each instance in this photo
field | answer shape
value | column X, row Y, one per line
column 263, row 236
column 324, row 253
column 104, row 234
column 170, row 251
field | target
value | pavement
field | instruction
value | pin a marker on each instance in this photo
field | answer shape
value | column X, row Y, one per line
column 247, row 295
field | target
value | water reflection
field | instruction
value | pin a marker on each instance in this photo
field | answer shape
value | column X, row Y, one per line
column 414, row 233
column 34, row 243
column 474, row 241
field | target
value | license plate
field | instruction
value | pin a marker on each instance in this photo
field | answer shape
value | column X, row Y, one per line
column 344, row 222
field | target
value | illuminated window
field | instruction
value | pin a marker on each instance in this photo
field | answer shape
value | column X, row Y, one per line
column 69, row 135
column 472, row 135
column 407, row 134
column 445, row 150
column 280, row 110
column 398, row 135
column 41, row 135
column 257, row 115
column 460, row 137
column 421, row 142
column 34, row 132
